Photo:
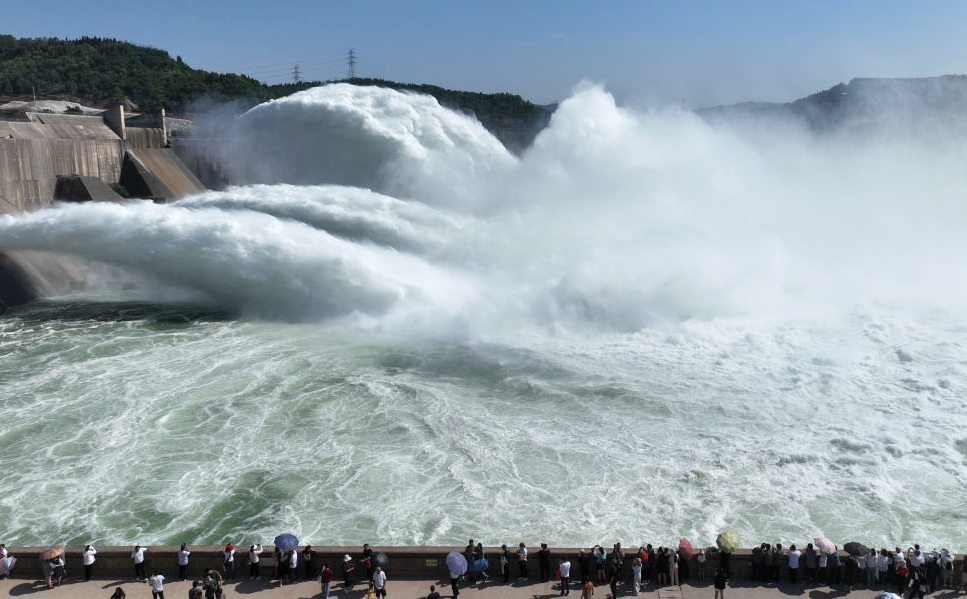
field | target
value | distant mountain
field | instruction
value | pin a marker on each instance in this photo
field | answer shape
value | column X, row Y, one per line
column 865, row 105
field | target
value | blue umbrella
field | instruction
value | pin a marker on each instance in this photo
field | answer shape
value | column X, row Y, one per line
column 457, row 564
column 286, row 542
column 479, row 565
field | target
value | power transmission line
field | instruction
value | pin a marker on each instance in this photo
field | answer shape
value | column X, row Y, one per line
column 328, row 65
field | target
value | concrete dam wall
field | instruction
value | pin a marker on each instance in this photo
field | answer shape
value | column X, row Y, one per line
column 47, row 157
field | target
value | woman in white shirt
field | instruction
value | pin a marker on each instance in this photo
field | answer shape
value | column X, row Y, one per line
column 636, row 574
column 183, row 554
column 229, row 554
column 88, row 554
column 253, row 561
column 672, row 566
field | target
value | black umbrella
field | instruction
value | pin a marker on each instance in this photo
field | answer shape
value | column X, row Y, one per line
column 856, row 549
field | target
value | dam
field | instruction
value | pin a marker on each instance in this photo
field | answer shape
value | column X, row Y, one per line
column 47, row 157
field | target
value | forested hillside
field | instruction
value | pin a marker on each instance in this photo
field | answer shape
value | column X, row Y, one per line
column 96, row 70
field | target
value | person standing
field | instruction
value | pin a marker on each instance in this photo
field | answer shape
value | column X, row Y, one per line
column 522, row 562
column 58, row 570
column 636, row 575
column 725, row 562
column 89, row 559
column 307, row 554
column 861, row 569
column 454, row 578
column 701, row 559
column 584, row 563
column 195, row 591
column 505, row 562
column 900, row 578
column 544, row 562
column 325, row 578
column 282, row 561
column 347, row 573
column 618, row 559
column 648, row 570
column 932, row 568
column 793, row 564
column 882, row 566
column 849, row 572
column 48, row 569
column 918, row 582
column 834, row 568
column 468, row 554
column 661, row 567
column 946, row 563
column 776, row 562
column 613, row 582
column 293, row 566
column 138, row 556
column 213, row 583
column 157, row 582
column 478, row 557
column 368, row 560
column 872, row 563
column 720, row 579
column 379, row 582
column 811, row 564
column 600, row 559
column 433, row 593
column 228, row 555
column 565, row 569
column 253, row 561
column 183, row 554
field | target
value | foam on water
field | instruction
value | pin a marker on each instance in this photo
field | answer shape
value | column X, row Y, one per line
column 642, row 329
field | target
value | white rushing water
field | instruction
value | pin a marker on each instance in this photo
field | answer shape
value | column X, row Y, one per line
column 641, row 329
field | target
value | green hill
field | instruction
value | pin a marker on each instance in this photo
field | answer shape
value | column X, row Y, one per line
column 96, row 71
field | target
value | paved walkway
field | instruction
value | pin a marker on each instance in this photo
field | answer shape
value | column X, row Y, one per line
column 418, row 589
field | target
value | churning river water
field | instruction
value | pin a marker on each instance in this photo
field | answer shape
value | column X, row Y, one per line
column 396, row 332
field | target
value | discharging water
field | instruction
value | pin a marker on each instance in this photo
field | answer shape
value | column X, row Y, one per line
column 398, row 333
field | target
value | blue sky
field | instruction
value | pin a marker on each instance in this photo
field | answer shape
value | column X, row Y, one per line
column 645, row 52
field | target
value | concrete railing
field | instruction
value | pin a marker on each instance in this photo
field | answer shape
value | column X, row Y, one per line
column 404, row 562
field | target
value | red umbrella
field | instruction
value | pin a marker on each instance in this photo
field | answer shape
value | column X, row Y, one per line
column 685, row 548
